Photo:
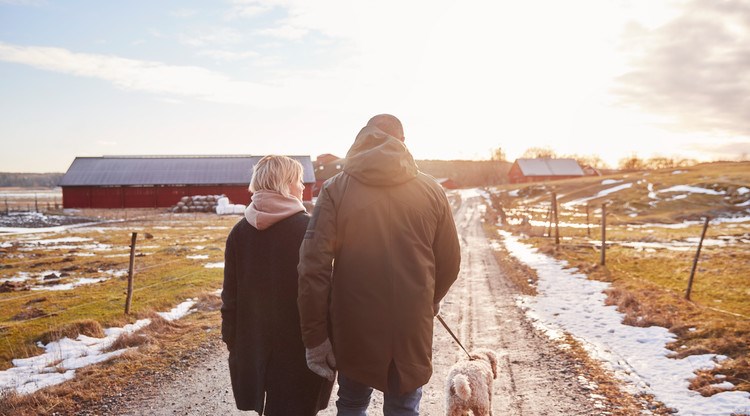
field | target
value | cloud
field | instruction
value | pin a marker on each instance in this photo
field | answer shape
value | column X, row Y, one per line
column 245, row 9
column 183, row 13
column 694, row 69
column 724, row 151
column 288, row 32
column 230, row 56
column 34, row 3
column 148, row 76
column 218, row 36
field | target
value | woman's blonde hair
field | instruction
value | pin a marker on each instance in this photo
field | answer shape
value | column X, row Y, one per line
column 275, row 173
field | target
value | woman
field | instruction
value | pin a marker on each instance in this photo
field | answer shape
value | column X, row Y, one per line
column 260, row 320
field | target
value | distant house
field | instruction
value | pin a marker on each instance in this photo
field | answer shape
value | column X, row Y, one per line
column 538, row 170
column 589, row 170
column 160, row 181
column 447, row 183
column 326, row 166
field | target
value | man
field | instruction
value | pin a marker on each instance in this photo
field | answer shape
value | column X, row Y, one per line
column 379, row 254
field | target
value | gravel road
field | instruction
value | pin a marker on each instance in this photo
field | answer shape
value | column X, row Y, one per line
column 533, row 377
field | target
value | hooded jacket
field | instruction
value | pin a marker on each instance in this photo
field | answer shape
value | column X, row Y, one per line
column 380, row 250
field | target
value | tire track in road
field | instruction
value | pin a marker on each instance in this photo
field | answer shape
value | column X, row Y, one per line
column 533, row 378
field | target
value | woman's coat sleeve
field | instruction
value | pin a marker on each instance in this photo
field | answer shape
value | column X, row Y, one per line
column 229, row 294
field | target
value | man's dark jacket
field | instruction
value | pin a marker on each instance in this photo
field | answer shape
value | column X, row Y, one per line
column 380, row 250
column 260, row 321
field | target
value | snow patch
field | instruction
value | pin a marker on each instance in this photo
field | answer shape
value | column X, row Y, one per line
column 568, row 301
column 601, row 193
column 692, row 190
column 61, row 358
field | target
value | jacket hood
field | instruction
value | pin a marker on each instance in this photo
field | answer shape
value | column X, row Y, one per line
column 268, row 207
column 378, row 159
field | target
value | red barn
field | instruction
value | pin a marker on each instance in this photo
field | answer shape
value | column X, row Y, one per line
column 538, row 170
column 160, row 181
column 326, row 166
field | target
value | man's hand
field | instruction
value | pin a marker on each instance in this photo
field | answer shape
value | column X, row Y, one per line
column 321, row 360
column 436, row 308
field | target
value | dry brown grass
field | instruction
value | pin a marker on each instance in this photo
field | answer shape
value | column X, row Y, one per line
column 86, row 327
column 208, row 303
column 699, row 329
column 167, row 345
column 618, row 403
column 522, row 276
column 128, row 341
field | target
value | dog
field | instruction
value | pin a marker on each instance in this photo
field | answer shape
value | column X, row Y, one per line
column 469, row 384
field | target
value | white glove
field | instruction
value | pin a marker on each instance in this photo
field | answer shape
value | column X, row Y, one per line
column 321, row 360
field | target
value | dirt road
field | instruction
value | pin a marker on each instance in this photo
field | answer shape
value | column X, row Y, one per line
column 533, row 378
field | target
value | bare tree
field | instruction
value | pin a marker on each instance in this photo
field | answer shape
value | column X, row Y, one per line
column 588, row 160
column 632, row 162
column 499, row 154
column 539, row 153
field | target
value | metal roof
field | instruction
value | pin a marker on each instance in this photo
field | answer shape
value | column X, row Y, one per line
column 168, row 170
column 549, row 167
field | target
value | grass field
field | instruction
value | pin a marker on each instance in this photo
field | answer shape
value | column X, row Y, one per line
column 654, row 224
column 58, row 281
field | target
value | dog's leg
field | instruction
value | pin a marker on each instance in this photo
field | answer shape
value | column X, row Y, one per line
column 480, row 411
column 489, row 399
column 456, row 411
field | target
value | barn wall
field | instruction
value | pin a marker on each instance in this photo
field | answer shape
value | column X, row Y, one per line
column 76, row 196
column 152, row 196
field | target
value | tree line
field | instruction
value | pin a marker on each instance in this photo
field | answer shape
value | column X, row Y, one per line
column 631, row 162
column 30, row 180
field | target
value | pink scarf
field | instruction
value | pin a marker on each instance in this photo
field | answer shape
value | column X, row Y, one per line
column 269, row 207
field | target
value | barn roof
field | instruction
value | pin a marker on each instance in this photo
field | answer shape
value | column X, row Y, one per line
column 549, row 167
column 168, row 170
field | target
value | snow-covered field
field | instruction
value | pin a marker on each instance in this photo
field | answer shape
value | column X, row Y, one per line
column 62, row 358
column 567, row 301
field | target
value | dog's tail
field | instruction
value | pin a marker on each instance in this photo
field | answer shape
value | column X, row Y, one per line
column 461, row 387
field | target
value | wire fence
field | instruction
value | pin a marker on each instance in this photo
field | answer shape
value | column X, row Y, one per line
column 546, row 214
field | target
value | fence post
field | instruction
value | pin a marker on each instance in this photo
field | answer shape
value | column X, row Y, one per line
column 588, row 222
column 604, row 235
column 36, row 203
column 129, row 297
column 6, row 206
column 554, row 213
column 695, row 260
column 548, row 220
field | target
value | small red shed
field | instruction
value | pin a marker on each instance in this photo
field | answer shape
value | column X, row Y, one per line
column 160, row 181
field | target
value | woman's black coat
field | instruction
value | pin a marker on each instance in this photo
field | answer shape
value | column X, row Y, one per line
column 260, row 321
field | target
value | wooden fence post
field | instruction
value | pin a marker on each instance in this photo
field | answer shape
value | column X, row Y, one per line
column 129, row 297
column 604, row 235
column 548, row 220
column 554, row 213
column 6, row 206
column 588, row 222
column 695, row 260
column 36, row 203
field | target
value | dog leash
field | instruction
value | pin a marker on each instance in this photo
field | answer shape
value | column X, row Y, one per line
column 454, row 336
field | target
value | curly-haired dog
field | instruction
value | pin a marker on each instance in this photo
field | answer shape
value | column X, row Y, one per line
column 469, row 384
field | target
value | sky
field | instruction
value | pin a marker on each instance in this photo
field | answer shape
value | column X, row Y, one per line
column 610, row 78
